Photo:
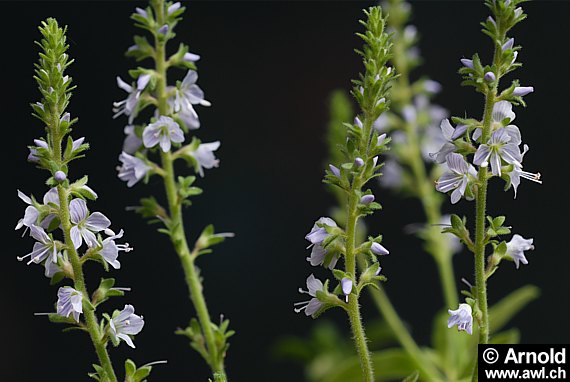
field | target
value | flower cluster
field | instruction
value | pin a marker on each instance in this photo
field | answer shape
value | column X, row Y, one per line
column 175, row 115
column 475, row 151
column 153, row 147
column 66, row 234
column 359, row 163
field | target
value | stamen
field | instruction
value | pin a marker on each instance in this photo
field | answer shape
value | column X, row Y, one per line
column 155, row 363
column 532, row 177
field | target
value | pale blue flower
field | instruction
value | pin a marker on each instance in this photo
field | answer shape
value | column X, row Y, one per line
column 313, row 305
column 30, row 215
column 516, row 248
column 205, row 157
column 85, row 225
column 318, row 254
column 457, row 178
column 462, row 317
column 318, row 233
column 110, row 249
column 43, row 247
column 125, row 325
column 501, row 146
column 132, row 170
column 129, row 105
column 187, row 95
column 162, row 132
column 69, row 302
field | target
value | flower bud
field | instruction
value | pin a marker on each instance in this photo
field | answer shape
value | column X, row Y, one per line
column 522, row 91
column 59, row 176
column 163, row 29
column 346, row 285
column 490, row 77
column 359, row 162
column 334, row 170
column 379, row 249
column 367, row 199
column 509, row 44
column 358, row 122
column 467, row 63
column 191, row 57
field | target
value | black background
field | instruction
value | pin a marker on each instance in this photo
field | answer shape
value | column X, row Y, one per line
column 268, row 69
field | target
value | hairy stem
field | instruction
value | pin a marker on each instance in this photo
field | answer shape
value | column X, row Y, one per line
column 91, row 321
column 353, row 306
column 178, row 234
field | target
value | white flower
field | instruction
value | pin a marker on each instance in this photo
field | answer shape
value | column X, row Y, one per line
column 457, row 178
column 69, row 301
column 205, row 157
column 84, row 224
column 313, row 305
column 503, row 145
column 43, row 247
column 126, row 324
column 462, row 317
column 110, row 249
column 516, row 248
column 163, row 132
column 130, row 104
column 187, row 95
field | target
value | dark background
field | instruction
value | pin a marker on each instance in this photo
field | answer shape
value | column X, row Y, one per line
column 268, row 69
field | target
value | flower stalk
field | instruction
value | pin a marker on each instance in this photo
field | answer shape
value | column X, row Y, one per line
column 175, row 116
column 63, row 212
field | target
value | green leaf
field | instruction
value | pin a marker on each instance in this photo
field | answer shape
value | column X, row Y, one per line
column 511, row 336
column 503, row 311
column 389, row 364
column 412, row 377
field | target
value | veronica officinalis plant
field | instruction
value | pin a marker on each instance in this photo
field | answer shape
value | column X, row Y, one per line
column 329, row 242
column 482, row 150
column 152, row 147
column 67, row 235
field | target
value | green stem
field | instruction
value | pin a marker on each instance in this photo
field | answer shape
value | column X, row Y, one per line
column 480, row 244
column 91, row 321
column 178, row 235
column 353, row 307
